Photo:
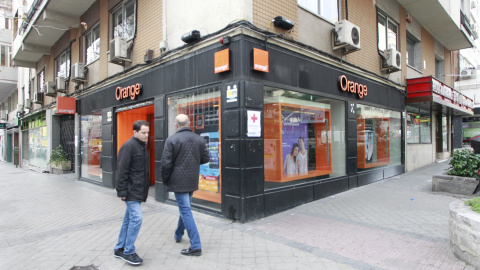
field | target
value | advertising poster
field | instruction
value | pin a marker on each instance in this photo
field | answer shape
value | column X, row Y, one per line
column 294, row 142
column 369, row 141
column 210, row 172
column 470, row 130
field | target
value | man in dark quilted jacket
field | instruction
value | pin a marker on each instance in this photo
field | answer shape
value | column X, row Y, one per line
column 182, row 155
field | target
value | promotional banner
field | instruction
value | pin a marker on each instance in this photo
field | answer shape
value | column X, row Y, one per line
column 210, row 172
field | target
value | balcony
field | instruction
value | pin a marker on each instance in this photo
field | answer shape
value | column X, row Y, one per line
column 45, row 23
column 442, row 19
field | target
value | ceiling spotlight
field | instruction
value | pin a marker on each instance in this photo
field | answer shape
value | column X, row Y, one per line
column 191, row 36
column 283, row 23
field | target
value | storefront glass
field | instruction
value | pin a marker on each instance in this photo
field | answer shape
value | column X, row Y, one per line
column 444, row 134
column 91, row 146
column 202, row 107
column 37, row 147
column 304, row 137
column 418, row 126
column 379, row 137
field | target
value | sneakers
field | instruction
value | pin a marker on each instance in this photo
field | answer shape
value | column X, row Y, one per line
column 118, row 253
column 191, row 252
column 132, row 259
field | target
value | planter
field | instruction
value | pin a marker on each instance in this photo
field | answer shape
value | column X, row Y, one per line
column 465, row 233
column 62, row 166
column 454, row 184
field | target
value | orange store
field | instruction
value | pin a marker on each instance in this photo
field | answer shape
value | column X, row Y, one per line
column 282, row 128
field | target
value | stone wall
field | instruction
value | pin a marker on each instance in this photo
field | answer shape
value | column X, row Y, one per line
column 465, row 233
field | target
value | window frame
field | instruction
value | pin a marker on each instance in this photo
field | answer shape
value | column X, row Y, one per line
column 319, row 5
column 41, row 81
column 121, row 9
column 67, row 54
column 412, row 109
column 388, row 21
column 86, row 46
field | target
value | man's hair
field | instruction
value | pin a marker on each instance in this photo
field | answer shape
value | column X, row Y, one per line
column 139, row 123
column 182, row 120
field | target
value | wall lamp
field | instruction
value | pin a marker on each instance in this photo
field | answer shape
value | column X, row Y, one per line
column 191, row 36
column 283, row 23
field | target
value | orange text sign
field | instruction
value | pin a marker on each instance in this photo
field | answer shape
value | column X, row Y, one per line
column 352, row 87
column 260, row 60
column 66, row 105
column 222, row 61
column 130, row 91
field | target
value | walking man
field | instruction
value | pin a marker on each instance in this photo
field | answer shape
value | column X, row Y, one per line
column 183, row 153
column 132, row 183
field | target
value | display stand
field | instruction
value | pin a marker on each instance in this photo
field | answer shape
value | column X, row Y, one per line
column 317, row 122
column 373, row 147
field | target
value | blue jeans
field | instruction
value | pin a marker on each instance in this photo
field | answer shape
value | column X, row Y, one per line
column 184, row 201
column 130, row 227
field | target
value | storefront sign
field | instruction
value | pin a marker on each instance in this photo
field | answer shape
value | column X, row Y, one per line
column 254, row 129
column 352, row 87
column 260, row 60
column 222, row 62
column 232, row 93
column 109, row 116
column 128, row 92
column 3, row 125
column 66, row 105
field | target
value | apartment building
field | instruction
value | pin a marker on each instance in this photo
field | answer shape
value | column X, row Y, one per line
column 8, row 89
column 296, row 100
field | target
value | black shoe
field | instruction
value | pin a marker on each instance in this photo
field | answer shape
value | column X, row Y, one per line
column 178, row 240
column 118, row 253
column 191, row 252
column 132, row 259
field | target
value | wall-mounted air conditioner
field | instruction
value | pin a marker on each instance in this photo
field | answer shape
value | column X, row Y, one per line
column 28, row 104
column 60, row 84
column 38, row 97
column 346, row 36
column 466, row 73
column 19, row 107
column 118, row 50
column 3, row 115
column 392, row 60
column 50, row 89
column 78, row 72
column 473, row 4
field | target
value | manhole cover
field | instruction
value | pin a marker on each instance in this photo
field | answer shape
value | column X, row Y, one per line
column 88, row 267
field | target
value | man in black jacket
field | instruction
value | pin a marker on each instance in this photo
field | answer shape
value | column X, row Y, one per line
column 132, row 183
column 182, row 155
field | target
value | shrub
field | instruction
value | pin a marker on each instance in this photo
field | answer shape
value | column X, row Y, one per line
column 474, row 203
column 58, row 155
column 464, row 163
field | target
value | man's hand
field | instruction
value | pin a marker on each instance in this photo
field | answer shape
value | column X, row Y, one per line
column 123, row 198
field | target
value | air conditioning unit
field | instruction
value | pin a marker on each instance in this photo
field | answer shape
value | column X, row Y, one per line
column 19, row 108
column 118, row 50
column 346, row 36
column 60, row 83
column 473, row 4
column 28, row 104
column 78, row 72
column 3, row 115
column 50, row 89
column 38, row 97
column 466, row 73
column 392, row 60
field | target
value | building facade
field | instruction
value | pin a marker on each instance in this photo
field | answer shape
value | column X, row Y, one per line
column 296, row 100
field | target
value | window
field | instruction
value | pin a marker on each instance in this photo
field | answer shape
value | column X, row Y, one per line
column 4, row 56
column 387, row 33
column 304, row 137
column 410, row 52
column 418, row 125
column 327, row 9
column 414, row 52
column 123, row 20
column 92, row 44
column 91, row 146
column 62, row 64
column 41, row 81
column 379, row 137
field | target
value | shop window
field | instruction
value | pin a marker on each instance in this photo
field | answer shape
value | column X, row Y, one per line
column 418, row 126
column 379, row 137
column 41, row 81
column 34, row 141
column 304, row 137
column 203, row 109
column 91, row 146
column 62, row 64
column 92, row 44
column 123, row 20
column 327, row 9
column 387, row 33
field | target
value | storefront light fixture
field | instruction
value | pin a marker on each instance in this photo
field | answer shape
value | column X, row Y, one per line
column 283, row 23
column 191, row 36
column 225, row 40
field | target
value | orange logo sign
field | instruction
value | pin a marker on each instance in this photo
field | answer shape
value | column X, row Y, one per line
column 66, row 105
column 129, row 91
column 222, row 62
column 352, row 87
column 260, row 60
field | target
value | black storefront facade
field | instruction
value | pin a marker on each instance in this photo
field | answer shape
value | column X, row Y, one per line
column 262, row 122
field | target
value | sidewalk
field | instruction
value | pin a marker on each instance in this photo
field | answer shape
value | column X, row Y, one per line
column 55, row 222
